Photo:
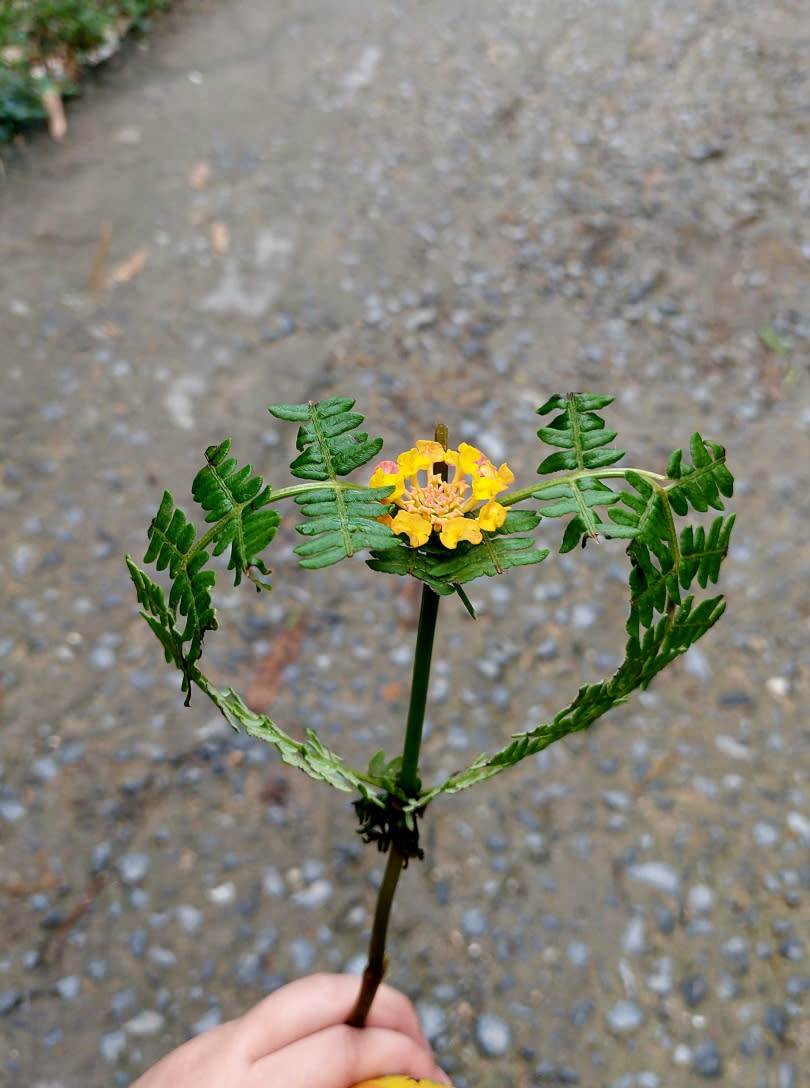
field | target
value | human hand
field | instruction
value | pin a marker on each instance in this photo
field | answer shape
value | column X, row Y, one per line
column 298, row 1038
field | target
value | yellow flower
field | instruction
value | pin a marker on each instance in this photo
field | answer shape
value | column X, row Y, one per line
column 434, row 495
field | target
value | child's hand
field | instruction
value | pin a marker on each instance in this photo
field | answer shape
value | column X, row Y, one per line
column 297, row 1038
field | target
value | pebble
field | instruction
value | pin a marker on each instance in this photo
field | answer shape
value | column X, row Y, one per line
column 493, row 1036
column 68, row 987
column 189, row 917
column 707, row 1060
column 474, row 922
column 315, row 895
column 9, row 999
column 634, row 938
column 656, row 874
column 147, row 1022
column 112, row 1046
column 222, row 894
column 624, row 1017
column 209, row 1020
column 700, row 899
column 694, row 989
column 432, row 1018
column 132, row 868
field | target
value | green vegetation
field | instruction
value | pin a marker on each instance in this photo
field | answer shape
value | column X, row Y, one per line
column 45, row 44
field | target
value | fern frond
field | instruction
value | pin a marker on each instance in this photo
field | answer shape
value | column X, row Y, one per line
column 171, row 539
column 329, row 449
column 579, row 432
column 342, row 522
column 309, row 755
column 341, row 519
column 702, row 483
column 234, row 498
column 162, row 621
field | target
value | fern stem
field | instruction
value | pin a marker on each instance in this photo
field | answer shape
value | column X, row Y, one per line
column 655, row 478
column 377, row 960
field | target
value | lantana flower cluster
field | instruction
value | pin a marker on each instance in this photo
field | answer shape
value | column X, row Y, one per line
column 447, row 492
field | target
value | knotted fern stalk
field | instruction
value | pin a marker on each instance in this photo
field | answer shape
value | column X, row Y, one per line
column 445, row 532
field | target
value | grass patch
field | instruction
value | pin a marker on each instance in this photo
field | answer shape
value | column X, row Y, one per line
column 45, row 44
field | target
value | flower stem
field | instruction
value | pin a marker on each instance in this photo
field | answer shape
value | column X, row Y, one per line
column 410, row 783
column 377, row 960
column 409, row 776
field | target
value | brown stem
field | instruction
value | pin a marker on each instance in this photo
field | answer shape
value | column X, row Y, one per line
column 377, row 960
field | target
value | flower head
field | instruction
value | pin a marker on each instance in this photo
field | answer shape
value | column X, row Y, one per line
column 441, row 491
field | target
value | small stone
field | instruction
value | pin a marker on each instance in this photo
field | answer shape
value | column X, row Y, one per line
column 656, row 874
column 776, row 1021
column 45, row 769
column 273, row 882
column 694, row 989
column 100, row 856
column 68, row 987
column 12, row 811
column 707, row 1060
column 664, row 918
column 147, row 1022
column 799, row 825
column 660, row 979
column 209, row 1020
column 701, row 899
column 133, row 867
column 9, row 999
column 474, row 922
column 315, row 895
column 432, row 1018
column 302, row 954
column 765, row 834
column 112, row 1046
column 222, row 894
column 617, row 800
column 189, row 917
column 624, row 1017
column 162, row 957
column 578, row 953
column 634, row 938
column 493, row 1036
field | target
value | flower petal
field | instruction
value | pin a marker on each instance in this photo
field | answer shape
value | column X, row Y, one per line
column 415, row 527
column 491, row 516
column 455, row 529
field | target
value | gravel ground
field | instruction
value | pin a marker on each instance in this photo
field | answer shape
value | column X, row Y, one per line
column 449, row 211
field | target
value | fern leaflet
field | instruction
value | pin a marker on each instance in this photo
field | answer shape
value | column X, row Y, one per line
column 340, row 519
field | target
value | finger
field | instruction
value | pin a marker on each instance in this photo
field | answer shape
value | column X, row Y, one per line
column 310, row 1004
column 340, row 1057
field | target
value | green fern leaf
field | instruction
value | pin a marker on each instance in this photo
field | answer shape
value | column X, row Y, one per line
column 579, row 497
column 342, row 522
column 579, row 431
column 234, row 498
column 171, row 536
column 703, row 482
column 341, row 519
column 329, row 448
column 309, row 755
column 161, row 620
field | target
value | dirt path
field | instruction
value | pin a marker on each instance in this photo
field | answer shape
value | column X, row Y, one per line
column 448, row 210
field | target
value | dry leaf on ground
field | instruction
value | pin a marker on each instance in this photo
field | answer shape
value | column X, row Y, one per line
column 284, row 649
column 128, row 268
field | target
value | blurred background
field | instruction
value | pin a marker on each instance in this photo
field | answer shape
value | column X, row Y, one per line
column 449, row 211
